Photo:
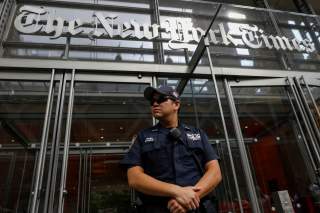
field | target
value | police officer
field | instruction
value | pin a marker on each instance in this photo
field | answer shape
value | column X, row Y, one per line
column 161, row 166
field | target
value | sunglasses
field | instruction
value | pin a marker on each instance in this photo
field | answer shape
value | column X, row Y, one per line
column 160, row 99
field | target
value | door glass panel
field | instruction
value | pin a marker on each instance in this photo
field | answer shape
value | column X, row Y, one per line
column 108, row 116
column 199, row 108
column 22, row 111
column 108, row 112
column 277, row 154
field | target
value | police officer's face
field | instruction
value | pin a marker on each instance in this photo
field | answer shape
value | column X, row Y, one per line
column 163, row 106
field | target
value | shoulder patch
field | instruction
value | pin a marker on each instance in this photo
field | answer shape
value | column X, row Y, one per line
column 194, row 136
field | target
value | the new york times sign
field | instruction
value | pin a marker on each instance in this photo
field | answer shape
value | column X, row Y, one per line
column 33, row 20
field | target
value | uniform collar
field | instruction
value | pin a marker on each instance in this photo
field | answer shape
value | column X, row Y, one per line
column 158, row 127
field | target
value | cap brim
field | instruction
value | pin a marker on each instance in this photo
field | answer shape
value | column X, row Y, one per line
column 149, row 91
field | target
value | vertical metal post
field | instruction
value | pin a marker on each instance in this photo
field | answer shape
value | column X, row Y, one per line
column 307, row 109
column 311, row 96
column 43, row 146
column 242, row 149
column 156, row 19
column 56, row 146
column 63, row 190
column 226, row 134
column 304, row 119
column 49, row 189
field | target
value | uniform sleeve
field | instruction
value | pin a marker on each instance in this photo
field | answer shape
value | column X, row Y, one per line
column 209, row 152
column 133, row 156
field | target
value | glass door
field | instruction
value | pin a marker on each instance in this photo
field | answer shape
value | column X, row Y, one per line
column 107, row 112
column 310, row 91
column 283, row 155
column 24, row 98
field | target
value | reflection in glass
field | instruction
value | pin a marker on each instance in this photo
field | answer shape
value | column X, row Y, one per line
column 108, row 112
column 22, row 111
column 266, row 116
column 96, row 183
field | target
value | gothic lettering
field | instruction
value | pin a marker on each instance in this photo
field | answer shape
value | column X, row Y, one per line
column 32, row 18
column 250, row 37
column 54, row 26
column 179, row 31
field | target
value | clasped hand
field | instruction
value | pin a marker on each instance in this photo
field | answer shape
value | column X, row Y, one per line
column 186, row 198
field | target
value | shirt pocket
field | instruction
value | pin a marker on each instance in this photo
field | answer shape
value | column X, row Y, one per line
column 155, row 159
column 195, row 146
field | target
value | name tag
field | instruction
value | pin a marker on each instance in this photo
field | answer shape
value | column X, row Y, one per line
column 149, row 140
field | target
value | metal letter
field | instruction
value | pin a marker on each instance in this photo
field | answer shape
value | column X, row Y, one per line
column 280, row 42
column 31, row 25
column 195, row 33
column 125, row 30
column 73, row 27
column 136, row 29
column 297, row 45
column 250, row 37
column 56, row 29
column 179, row 31
column 95, row 33
column 106, row 25
column 266, row 41
column 212, row 36
column 226, row 37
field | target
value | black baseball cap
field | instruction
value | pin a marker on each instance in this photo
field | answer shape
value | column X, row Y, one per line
column 163, row 90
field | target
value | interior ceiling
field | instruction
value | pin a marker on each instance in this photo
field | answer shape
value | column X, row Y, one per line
column 276, row 4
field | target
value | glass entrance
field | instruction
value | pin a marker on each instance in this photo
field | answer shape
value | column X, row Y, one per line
column 283, row 157
column 22, row 113
column 108, row 111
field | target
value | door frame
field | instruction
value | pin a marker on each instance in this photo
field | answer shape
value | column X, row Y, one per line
column 296, row 105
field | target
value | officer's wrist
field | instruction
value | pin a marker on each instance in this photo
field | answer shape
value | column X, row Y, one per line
column 175, row 190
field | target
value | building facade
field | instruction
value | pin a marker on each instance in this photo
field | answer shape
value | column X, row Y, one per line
column 72, row 76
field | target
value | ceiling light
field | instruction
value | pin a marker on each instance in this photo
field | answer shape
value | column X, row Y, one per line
column 235, row 15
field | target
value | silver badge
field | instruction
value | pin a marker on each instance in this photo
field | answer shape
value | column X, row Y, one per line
column 149, row 140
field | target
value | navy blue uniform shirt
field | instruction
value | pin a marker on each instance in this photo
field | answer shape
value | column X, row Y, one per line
column 167, row 160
